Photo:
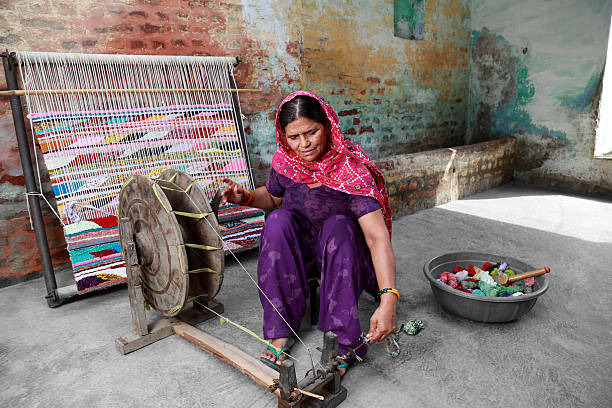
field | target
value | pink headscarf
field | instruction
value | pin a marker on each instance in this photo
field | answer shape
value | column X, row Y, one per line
column 344, row 167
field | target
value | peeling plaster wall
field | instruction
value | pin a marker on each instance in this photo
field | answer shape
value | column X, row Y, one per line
column 536, row 69
column 394, row 96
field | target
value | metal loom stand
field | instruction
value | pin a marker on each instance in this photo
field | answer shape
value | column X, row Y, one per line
column 55, row 296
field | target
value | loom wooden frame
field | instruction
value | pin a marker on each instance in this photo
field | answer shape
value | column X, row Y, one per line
column 57, row 296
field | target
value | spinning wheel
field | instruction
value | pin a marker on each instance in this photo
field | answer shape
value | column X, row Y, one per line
column 174, row 255
column 176, row 240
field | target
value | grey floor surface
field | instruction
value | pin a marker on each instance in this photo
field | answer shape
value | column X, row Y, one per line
column 557, row 355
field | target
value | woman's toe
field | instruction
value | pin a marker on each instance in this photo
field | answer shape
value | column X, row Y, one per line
column 268, row 356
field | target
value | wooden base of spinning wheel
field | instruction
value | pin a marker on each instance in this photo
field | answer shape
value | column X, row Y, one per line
column 146, row 333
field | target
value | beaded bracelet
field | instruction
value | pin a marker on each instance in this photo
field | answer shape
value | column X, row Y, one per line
column 250, row 197
column 385, row 290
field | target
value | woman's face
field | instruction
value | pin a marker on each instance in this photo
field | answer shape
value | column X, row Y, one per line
column 307, row 138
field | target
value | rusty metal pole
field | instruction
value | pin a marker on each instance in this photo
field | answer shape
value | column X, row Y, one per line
column 10, row 71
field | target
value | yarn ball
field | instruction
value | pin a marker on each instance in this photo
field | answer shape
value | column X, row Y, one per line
column 471, row 270
column 449, row 279
column 506, row 290
column 485, row 277
column 469, row 283
column 483, row 281
column 487, row 288
column 461, row 275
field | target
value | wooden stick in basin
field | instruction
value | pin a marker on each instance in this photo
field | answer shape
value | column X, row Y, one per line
column 506, row 280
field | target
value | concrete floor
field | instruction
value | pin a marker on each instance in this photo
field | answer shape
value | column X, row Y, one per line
column 558, row 355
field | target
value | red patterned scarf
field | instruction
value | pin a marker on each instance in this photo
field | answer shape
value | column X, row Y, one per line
column 344, row 167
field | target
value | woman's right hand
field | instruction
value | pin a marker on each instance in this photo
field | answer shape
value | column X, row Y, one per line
column 233, row 193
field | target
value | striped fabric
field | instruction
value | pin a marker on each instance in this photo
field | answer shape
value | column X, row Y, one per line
column 89, row 154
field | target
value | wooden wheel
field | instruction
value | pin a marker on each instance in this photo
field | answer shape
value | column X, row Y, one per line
column 156, row 210
column 196, row 230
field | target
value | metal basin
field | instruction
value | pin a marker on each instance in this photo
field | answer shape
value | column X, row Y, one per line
column 486, row 309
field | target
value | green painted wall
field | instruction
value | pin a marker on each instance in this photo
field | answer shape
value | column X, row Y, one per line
column 536, row 69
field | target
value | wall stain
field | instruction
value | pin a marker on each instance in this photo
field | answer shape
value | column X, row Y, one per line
column 585, row 97
column 501, row 89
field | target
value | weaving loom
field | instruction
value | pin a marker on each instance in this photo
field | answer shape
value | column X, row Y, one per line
column 100, row 118
column 149, row 139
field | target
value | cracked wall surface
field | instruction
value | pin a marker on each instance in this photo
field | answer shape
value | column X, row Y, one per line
column 536, row 70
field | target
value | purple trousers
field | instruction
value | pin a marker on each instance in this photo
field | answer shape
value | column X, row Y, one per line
column 291, row 251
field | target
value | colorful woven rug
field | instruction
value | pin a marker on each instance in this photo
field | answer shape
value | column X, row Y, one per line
column 89, row 154
column 95, row 251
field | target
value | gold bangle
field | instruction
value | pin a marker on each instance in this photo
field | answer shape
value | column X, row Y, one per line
column 387, row 290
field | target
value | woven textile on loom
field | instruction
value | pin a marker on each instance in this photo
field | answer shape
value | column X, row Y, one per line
column 88, row 160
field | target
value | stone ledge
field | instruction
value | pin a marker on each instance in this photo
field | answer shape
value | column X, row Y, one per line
column 417, row 181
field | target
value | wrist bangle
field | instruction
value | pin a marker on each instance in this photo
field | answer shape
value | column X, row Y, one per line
column 248, row 201
column 387, row 290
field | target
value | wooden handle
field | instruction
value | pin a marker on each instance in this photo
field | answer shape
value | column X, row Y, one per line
column 506, row 280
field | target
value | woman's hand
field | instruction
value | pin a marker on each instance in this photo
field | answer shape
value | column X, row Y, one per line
column 383, row 321
column 233, row 193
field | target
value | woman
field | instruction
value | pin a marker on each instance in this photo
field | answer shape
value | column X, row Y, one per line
column 334, row 224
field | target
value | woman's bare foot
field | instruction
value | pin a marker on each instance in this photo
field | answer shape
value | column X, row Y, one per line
column 281, row 342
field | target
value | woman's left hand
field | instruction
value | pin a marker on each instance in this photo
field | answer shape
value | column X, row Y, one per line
column 383, row 321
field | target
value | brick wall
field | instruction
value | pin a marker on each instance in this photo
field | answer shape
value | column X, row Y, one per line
column 422, row 180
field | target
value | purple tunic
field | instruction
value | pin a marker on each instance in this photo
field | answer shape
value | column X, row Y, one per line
column 315, row 234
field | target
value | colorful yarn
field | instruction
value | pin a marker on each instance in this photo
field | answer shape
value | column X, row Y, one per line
column 461, row 275
column 449, row 279
column 481, row 282
column 506, row 290
column 95, row 252
column 469, row 283
column 89, row 155
column 486, row 278
column 412, row 327
column 471, row 270
column 487, row 288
